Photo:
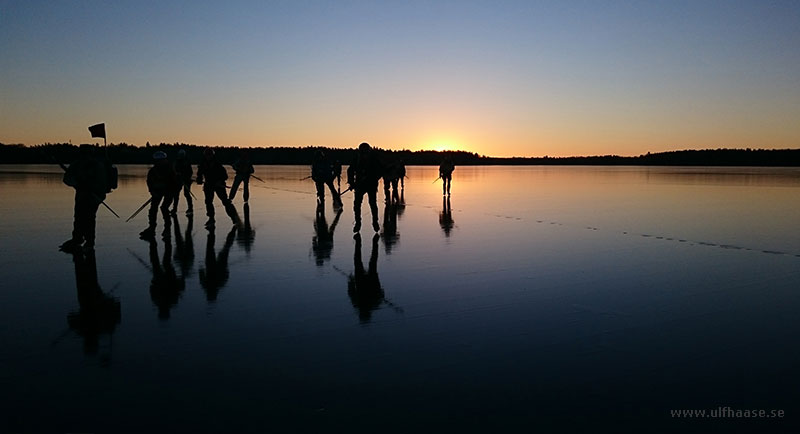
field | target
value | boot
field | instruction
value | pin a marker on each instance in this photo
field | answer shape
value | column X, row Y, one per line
column 376, row 226
column 357, row 226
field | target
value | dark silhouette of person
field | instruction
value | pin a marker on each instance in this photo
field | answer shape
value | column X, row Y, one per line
column 184, row 246
column 243, row 168
column 214, row 274
column 390, row 235
column 363, row 177
column 184, row 172
column 337, row 171
column 446, row 216
column 246, row 235
column 392, row 175
column 162, row 182
column 323, row 173
column 322, row 241
column 211, row 174
column 364, row 286
column 99, row 313
column 402, row 170
column 446, row 173
column 88, row 176
column 166, row 286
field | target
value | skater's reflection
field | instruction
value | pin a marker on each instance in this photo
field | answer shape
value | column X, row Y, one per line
column 214, row 274
column 99, row 313
column 364, row 286
column 184, row 246
column 390, row 235
column 322, row 241
column 401, row 205
column 446, row 216
column 166, row 286
column 246, row 234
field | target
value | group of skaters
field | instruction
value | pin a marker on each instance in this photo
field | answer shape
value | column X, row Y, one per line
column 168, row 180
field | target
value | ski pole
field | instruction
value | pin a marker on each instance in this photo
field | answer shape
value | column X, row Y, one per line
column 139, row 210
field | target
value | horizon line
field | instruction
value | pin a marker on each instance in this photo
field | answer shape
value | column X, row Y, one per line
column 178, row 144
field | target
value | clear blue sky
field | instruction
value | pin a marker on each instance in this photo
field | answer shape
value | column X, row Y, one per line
column 494, row 77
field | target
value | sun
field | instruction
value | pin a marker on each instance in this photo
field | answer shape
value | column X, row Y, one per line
column 441, row 146
column 445, row 143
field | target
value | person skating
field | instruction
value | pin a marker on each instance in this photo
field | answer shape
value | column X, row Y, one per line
column 323, row 173
column 89, row 177
column 393, row 175
column 162, row 182
column 211, row 174
column 183, row 169
column 363, row 177
column 446, row 173
column 243, row 168
column 337, row 171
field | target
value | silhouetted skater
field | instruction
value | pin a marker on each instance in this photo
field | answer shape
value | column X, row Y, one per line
column 88, row 175
column 214, row 274
column 243, row 168
column 99, row 313
column 166, row 285
column 393, row 174
column 211, row 174
column 162, row 182
column 363, row 177
column 337, row 171
column 246, row 235
column 323, row 173
column 184, row 172
column 446, row 173
column 322, row 242
column 364, row 286
column 446, row 217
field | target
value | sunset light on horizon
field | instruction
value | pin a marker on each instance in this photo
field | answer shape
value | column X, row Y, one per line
column 510, row 78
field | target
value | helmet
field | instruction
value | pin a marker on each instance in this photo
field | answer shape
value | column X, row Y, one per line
column 364, row 147
column 159, row 155
column 208, row 152
column 182, row 154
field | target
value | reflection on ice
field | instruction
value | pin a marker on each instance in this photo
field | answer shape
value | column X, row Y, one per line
column 528, row 296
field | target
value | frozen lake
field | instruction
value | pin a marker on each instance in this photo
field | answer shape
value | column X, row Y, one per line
column 538, row 297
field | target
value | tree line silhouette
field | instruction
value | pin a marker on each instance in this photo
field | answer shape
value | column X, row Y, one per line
column 123, row 153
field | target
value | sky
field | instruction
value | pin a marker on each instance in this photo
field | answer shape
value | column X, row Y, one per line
column 500, row 78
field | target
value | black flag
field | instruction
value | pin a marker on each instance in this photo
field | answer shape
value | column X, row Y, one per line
column 98, row 130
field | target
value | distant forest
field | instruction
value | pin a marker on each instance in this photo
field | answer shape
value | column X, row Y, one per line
column 128, row 154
